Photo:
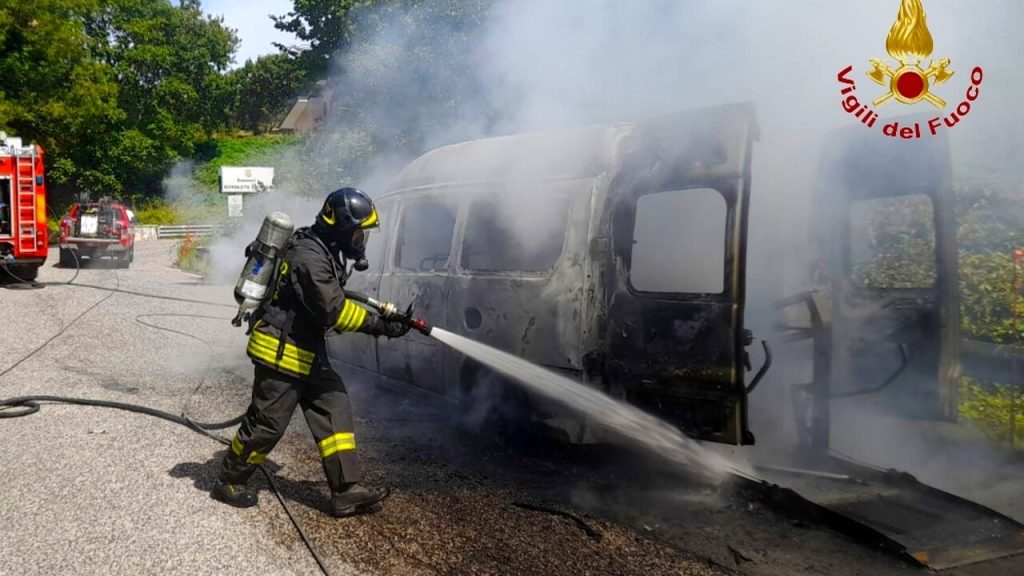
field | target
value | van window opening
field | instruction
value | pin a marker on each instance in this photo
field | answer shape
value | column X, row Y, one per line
column 425, row 237
column 892, row 242
column 523, row 236
column 679, row 242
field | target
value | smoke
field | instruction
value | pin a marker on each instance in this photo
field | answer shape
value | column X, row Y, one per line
column 431, row 73
column 179, row 185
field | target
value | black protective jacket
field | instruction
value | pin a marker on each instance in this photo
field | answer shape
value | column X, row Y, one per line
column 308, row 300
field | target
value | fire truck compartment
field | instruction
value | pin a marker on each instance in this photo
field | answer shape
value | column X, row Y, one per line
column 5, row 207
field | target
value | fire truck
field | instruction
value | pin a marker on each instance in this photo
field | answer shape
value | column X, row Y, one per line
column 23, row 232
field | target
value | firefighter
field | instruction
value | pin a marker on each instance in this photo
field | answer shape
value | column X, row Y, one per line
column 287, row 347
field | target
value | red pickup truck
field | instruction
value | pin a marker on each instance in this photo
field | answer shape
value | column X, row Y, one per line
column 96, row 229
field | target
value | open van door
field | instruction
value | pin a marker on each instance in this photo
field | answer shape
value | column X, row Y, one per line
column 674, row 340
column 885, row 218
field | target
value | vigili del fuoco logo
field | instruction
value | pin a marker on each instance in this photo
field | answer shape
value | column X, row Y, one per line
column 909, row 43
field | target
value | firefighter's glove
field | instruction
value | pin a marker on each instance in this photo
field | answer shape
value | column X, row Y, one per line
column 390, row 327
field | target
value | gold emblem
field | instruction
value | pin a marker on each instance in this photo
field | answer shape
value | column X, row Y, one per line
column 328, row 214
column 910, row 42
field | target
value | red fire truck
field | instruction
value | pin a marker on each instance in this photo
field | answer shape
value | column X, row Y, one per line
column 23, row 233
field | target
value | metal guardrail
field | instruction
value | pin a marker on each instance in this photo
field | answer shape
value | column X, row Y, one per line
column 187, row 230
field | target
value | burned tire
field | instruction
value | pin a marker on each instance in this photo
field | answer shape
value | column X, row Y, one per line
column 491, row 405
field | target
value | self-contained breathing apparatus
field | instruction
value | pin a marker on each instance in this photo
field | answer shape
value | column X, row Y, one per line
column 259, row 276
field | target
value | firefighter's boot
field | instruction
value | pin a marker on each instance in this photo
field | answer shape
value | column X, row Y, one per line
column 237, row 495
column 357, row 499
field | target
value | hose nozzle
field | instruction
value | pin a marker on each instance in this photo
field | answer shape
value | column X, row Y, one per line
column 420, row 326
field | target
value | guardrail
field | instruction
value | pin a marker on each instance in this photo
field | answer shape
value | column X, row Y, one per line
column 187, row 230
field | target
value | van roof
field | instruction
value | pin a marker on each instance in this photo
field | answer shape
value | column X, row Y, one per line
column 578, row 152
column 571, row 153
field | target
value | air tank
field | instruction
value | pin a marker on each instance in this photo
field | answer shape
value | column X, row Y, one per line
column 254, row 282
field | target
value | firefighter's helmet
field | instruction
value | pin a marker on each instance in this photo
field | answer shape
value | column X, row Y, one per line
column 345, row 218
column 348, row 208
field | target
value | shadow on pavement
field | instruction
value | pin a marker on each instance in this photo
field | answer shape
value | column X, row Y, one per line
column 204, row 476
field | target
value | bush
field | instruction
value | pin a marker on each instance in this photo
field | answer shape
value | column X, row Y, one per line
column 997, row 410
column 243, row 150
column 193, row 256
column 162, row 213
column 53, row 227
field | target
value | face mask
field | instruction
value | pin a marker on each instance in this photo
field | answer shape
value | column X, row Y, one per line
column 353, row 247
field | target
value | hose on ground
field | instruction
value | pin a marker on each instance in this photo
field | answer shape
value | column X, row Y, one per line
column 26, row 405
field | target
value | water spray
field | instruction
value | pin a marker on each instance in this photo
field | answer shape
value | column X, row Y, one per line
column 646, row 430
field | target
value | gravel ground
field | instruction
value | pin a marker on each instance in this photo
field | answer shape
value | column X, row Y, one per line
column 96, row 491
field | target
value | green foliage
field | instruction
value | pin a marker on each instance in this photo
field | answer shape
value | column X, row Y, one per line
column 987, row 297
column 115, row 90
column 997, row 409
column 265, row 90
column 159, row 212
column 193, row 256
column 53, row 230
column 893, row 243
column 325, row 25
column 244, row 150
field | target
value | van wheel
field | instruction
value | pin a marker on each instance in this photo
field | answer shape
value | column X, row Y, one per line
column 67, row 259
column 490, row 405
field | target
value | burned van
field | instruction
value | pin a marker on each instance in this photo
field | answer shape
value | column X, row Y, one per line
column 612, row 254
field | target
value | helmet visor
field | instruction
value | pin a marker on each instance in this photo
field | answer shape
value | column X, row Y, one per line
column 358, row 240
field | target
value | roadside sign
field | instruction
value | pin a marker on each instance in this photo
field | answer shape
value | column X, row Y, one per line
column 235, row 205
column 245, row 179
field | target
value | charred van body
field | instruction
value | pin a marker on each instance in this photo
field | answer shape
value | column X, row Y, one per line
column 612, row 254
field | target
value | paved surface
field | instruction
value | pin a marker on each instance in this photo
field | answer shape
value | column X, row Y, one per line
column 97, row 491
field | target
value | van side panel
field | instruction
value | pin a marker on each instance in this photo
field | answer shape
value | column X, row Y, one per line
column 533, row 314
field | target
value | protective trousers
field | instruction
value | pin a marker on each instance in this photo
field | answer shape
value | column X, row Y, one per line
column 325, row 405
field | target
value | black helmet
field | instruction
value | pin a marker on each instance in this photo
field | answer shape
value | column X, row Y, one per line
column 342, row 223
column 348, row 208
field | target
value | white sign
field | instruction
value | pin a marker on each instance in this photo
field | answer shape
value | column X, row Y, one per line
column 235, row 205
column 245, row 180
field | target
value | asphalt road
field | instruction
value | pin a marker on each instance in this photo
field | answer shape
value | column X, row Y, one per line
column 98, row 491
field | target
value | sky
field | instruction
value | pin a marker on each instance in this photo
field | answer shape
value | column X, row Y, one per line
column 251, row 18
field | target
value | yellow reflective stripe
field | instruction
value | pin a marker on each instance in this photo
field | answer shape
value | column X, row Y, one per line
column 344, row 315
column 254, row 456
column 272, row 350
column 350, row 318
column 357, row 320
column 290, row 350
column 269, row 355
column 371, row 220
column 337, row 442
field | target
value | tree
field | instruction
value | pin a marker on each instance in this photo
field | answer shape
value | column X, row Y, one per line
column 264, row 89
column 115, row 90
column 326, row 25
